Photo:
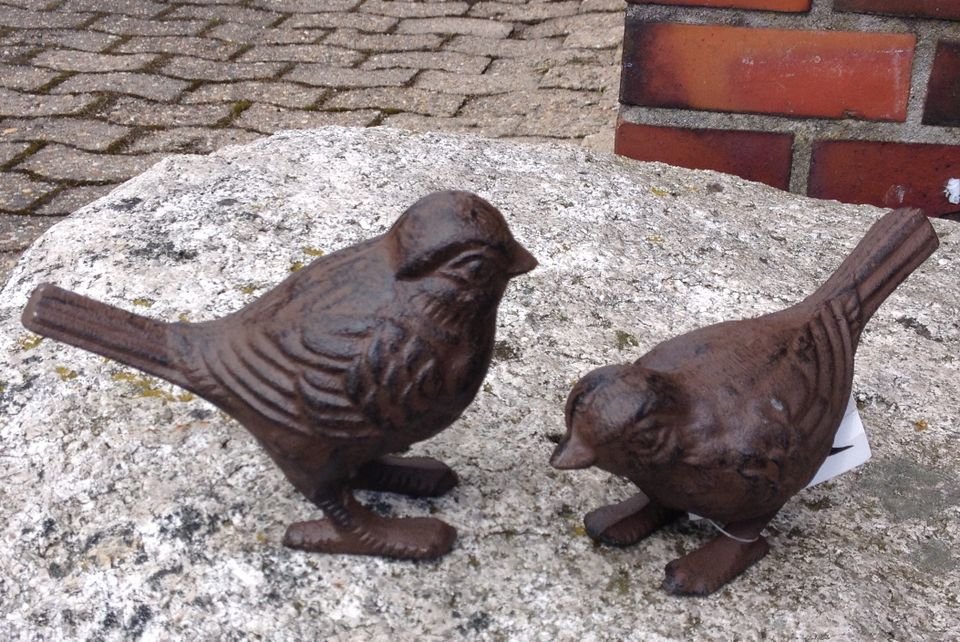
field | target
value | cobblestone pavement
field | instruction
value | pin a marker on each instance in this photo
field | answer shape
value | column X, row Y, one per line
column 92, row 92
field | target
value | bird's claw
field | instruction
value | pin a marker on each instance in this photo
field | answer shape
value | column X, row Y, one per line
column 627, row 522
column 411, row 538
column 412, row 476
column 706, row 569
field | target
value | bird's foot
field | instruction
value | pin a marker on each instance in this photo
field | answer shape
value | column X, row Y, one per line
column 413, row 476
column 627, row 522
column 706, row 569
column 407, row 538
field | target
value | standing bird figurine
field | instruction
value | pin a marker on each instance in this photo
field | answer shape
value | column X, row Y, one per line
column 351, row 359
column 731, row 420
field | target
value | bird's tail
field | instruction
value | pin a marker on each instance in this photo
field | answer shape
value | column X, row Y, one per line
column 894, row 247
column 106, row 330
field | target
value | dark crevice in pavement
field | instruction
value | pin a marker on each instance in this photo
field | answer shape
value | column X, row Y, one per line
column 210, row 26
column 113, row 46
column 163, row 13
column 318, row 103
column 238, row 108
column 239, row 52
column 32, row 148
column 279, row 21
column 56, row 80
column 156, row 65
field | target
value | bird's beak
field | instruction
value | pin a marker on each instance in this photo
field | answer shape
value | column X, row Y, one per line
column 522, row 261
column 572, row 454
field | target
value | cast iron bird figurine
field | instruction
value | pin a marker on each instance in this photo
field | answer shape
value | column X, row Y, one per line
column 351, row 359
column 729, row 421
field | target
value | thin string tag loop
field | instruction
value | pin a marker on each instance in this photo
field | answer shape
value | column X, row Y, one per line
column 733, row 537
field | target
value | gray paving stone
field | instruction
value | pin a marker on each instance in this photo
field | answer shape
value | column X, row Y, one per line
column 360, row 21
column 414, row 9
column 12, row 54
column 284, row 94
column 15, row 104
column 24, row 78
column 353, row 39
column 7, row 261
column 254, row 35
column 589, row 77
column 268, row 119
column 502, row 48
column 19, row 191
column 64, row 60
column 140, row 8
column 531, row 103
column 306, row 6
column 124, row 82
column 59, row 162
column 209, row 48
column 452, row 83
column 603, row 140
column 321, row 54
column 18, row 232
column 324, row 76
column 492, row 128
column 27, row 19
column 570, row 122
column 30, row 4
column 8, row 150
column 598, row 37
column 445, row 60
column 85, row 133
column 133, row 111
column 82, row 40
column 588, row 6
column 200, row 69
column 190, row 140
column 71, row 199
column 126, row 26
column 527, row 12
column 572, row 24
column 479, row 27
column 227, row 13
column 397, row 99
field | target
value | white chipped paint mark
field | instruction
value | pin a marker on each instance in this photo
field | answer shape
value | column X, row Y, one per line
column 777, row 404
column 952, row 191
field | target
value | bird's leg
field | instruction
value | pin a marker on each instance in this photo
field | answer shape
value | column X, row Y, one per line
column 413, row 476
column 723, row 558
column 627, row 522
column 351, row 529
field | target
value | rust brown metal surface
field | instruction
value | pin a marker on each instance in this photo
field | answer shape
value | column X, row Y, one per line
column 731, row 420
column 347, row 362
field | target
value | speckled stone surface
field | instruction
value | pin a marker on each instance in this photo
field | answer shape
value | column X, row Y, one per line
column 130, row 510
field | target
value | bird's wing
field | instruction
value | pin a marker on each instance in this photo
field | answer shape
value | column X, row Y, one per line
column 814, row 376
column 820, row 362
column 397, row 380
column 289, row 378
column 295, row 355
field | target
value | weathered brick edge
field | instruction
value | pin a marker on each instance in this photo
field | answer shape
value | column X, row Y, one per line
column 871, row 116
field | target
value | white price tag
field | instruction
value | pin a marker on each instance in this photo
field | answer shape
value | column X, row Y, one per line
column 850, row 449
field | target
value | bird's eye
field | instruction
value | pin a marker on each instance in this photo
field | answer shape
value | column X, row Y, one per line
column 472, row 267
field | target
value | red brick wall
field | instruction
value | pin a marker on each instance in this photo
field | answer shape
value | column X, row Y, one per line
column 854, row 100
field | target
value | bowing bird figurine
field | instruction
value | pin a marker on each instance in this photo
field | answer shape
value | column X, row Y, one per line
column 729, row 421
column 348, row 361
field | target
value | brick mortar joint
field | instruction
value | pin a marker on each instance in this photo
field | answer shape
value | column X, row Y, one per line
column 834, row 21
